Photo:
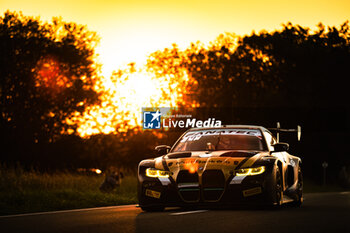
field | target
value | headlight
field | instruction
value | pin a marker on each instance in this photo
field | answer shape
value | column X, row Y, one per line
column 250, row 171
column 151, row 172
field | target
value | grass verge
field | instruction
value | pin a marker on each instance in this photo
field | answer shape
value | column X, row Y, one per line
column 25, row 192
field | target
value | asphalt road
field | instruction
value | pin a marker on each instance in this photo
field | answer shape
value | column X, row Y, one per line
column 321, row 212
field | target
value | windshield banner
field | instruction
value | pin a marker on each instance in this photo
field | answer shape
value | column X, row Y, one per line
column 196, row 135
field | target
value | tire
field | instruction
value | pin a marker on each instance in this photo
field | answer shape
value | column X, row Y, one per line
column 278, row 188
column 299, row 190
column 152, row 208
column 274, row 192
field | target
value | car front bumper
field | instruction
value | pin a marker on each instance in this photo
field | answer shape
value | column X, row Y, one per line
column 235, row 190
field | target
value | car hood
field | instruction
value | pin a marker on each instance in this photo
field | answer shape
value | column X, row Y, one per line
column 200, row 161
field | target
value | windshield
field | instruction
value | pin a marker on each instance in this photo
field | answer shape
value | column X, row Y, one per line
column 221, row 139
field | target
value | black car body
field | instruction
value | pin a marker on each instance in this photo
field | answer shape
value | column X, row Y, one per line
column 219, row 166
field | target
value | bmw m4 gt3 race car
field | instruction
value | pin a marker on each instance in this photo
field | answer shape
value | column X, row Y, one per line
column 226, row 165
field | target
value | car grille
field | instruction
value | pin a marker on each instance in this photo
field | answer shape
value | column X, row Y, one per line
column 188, row 185
column 213, row 183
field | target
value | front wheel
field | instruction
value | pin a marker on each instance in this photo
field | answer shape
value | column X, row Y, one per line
column 275, row 192
column 299, row 190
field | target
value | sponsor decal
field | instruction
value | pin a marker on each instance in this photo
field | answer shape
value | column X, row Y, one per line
column 194, row 136
column 152, row 193
column 252, row 192
column 292, row 163
column 192, row 161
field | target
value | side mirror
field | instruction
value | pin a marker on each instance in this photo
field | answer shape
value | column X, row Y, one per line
column 162, row 149
column 281, row 146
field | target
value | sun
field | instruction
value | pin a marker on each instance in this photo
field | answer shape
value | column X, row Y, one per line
column 123, row 95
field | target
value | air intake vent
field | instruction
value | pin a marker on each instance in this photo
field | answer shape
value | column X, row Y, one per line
column 213, row 183
column 188, row 186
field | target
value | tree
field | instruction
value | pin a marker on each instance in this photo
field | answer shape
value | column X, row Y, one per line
column 47, row 72
column 312, row 67
column 221, row 75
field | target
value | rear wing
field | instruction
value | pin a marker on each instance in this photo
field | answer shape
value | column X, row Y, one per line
column 278, row 130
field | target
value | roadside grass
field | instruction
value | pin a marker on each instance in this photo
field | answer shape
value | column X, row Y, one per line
column 30, row 191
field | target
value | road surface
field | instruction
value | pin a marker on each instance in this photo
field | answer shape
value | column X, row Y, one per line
column 321, row 212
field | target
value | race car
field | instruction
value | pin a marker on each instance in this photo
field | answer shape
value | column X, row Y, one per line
column 238, row 164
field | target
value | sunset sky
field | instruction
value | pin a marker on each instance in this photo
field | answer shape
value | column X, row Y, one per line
column 131, row 29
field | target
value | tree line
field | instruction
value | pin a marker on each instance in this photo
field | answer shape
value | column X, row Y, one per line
column 294, row 75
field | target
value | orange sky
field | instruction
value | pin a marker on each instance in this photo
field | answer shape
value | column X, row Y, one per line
column 130, row 29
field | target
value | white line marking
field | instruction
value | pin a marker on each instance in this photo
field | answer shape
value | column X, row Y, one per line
column 189, row 212
column 67, row 211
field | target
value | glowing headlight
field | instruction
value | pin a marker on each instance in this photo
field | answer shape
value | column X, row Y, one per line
column 250, row 171
column 151, row 172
